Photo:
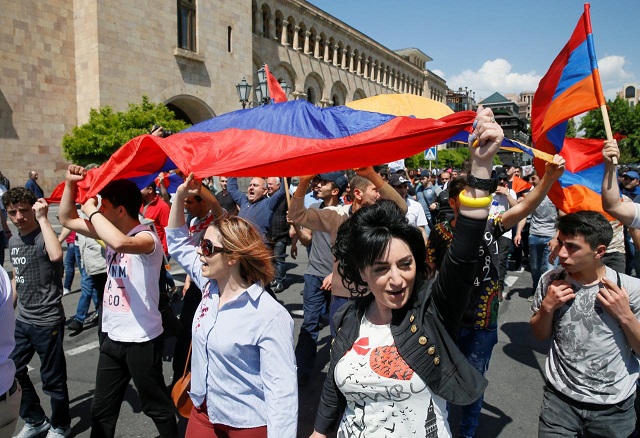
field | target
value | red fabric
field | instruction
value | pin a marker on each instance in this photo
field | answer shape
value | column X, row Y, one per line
column 519, row 185
column 199, row 426
column 165, row 180
column 275, row 90
column 582, row 153
column 158, row 210
column 235, row 152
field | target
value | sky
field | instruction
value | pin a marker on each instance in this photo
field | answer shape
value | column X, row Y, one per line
column 499, row 45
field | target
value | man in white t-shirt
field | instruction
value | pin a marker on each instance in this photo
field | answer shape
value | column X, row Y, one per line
column 415, row 212
column 591, row 313
column 503, row 199
column 132, row 348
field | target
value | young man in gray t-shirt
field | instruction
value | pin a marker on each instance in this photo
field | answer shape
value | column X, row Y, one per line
column 591, row 313
column 36, row 256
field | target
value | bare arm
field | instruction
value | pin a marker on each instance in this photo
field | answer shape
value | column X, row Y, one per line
column 553, row 171
column 51, row 243
column 64, row 233
column 211, row 201
column 625, row 212
column 68, row 214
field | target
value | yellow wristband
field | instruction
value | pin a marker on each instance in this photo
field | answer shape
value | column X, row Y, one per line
column 474, row 202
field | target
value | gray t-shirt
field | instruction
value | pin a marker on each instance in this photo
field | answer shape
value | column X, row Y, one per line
column 590, row 359
column 38, row 280
column 543, row 219
column 320, row 257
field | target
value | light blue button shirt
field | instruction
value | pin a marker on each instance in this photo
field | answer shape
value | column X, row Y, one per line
column 243, row 358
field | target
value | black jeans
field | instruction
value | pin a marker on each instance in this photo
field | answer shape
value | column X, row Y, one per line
column 120, row 362
column 47, row 342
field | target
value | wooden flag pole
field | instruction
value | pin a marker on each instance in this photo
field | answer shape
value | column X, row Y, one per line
column 607, row 127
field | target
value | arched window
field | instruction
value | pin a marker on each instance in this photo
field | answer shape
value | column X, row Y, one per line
column 630, row 92
column 266, row 17
column 311, row 95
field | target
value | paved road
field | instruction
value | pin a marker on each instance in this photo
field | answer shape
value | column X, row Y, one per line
column 511, row 403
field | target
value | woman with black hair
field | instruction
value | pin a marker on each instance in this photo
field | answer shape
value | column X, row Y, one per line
column 394, row 364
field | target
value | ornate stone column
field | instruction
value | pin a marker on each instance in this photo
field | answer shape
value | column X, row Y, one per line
column 327, row 48
column 343, row 64
column 336, row 54
column 283, row 38
column 359, row 66
column 316, row 47
column 296, row 38
column 351, row 56
column 305, row 49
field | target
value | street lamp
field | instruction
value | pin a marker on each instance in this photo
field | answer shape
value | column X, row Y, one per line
column 243, row 88
column 262, row 90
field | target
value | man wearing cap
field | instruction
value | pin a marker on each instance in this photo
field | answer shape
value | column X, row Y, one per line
column 629, row 184
column 415, row 212
column 317, row 277
column 426, row 194
column 503, row 199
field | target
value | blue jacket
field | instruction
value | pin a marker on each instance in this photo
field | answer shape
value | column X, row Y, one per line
column 259, row 212
column 33, row 186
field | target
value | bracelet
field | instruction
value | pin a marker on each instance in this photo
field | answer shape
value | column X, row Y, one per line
column 93, row 214
column 474, row 202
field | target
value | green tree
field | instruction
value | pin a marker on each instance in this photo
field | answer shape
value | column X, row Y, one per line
column 106, row 130
column 571, row 129
column 625, row 120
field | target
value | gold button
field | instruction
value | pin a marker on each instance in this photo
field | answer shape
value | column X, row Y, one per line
column 423, row 340
column 412, row 318
column 431, row 350
column 414, row 328
column 436, row 360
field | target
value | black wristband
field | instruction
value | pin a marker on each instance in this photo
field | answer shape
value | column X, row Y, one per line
column 92, row 215
column 489, row 185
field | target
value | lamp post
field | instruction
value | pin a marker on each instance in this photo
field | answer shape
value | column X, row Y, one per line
column 262, row 90
column 243, row 89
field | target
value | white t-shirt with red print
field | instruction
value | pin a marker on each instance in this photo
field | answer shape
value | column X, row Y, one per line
column 130, row 304
column 384, row 396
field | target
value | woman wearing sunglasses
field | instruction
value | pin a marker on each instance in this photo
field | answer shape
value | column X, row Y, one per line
column 394, row 364
column 243, row 373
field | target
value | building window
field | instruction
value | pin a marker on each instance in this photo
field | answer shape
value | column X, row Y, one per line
column 630, row 92
column 311, row 96
column 187, row 24
column 229, row 40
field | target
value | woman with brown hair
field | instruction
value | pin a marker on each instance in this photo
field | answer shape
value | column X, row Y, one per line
column 243, row 374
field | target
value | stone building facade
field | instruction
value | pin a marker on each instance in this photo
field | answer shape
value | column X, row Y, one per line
column 62, row 58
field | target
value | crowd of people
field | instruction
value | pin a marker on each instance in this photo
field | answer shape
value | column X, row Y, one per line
column 409, row 268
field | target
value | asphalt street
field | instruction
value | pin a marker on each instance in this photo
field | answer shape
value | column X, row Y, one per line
column 511, row 403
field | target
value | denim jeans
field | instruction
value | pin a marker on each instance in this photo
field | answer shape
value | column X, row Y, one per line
column 476, row 345
column 89, row 293
column 47, row 342
column 71, row 260
column 279, row 254
column 120, row 362
column 563, row 417
column 314, row 303
column 538, row 257
column 336, row 303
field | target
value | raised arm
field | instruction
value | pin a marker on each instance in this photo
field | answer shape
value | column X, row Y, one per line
column 625, row 212
column 386, row 191
column 552, row 172
column 238, row 197
column 453, row 284
column 68, row 214
column 51, row 243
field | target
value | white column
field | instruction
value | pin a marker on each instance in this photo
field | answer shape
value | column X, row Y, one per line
column 343, row 64
column 283, row 38
column 296, row 38
column 327, row 47
column 316, row 48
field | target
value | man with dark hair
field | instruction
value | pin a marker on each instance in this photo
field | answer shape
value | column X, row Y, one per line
column 317, row 277
column 224, row 198
column 131, row 321
column 36, row 256
column 367, row 187
column 279, row 236
column 591, row 314
column 32, row 185
column 478, row 329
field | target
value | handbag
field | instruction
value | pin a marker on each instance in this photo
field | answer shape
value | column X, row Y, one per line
column 180, row 391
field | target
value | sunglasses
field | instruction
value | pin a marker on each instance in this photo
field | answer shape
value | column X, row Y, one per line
column 208, row 248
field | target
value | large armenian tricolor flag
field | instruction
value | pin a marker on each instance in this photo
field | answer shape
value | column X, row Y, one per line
column 284, row 139
column 571, row 87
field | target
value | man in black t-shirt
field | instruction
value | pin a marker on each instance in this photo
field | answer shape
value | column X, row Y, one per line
column 225, row 199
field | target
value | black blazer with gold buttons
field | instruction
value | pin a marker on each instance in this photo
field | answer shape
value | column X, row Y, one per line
column 423, row 330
